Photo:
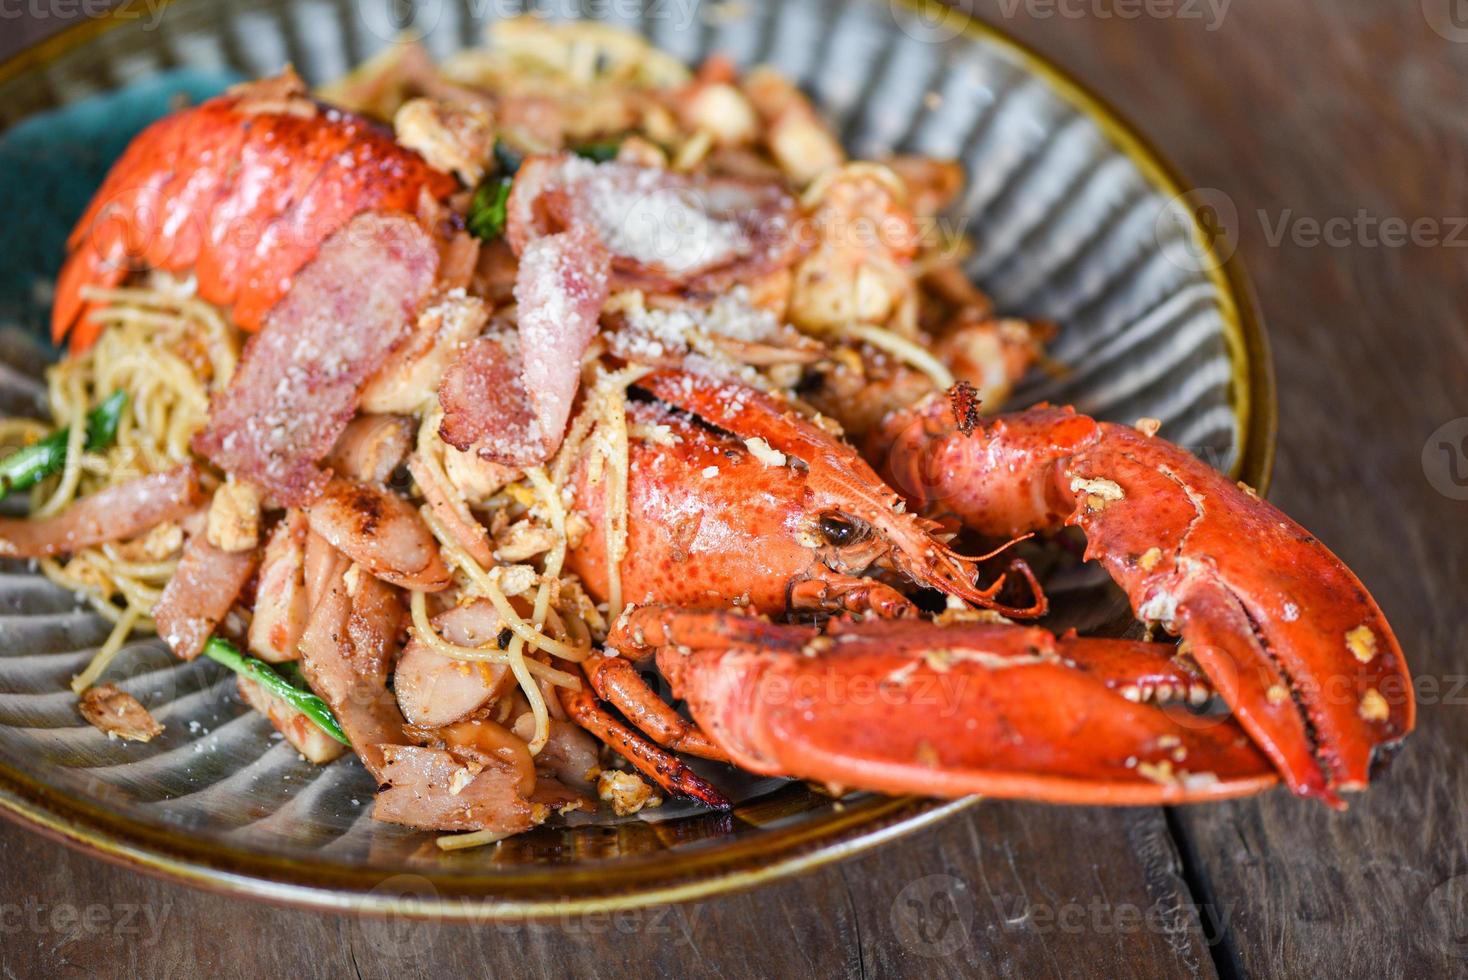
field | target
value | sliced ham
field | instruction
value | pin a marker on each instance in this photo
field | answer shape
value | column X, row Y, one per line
column 380, row 531
column 305, row 736
column 299, row 381
column 280, row 611
column 375, row 625
column 570, row 754
column 199, row 595
column 333, row 659
column 324, row 566
column 421, row 792
column 114, row 514
column 434, row 690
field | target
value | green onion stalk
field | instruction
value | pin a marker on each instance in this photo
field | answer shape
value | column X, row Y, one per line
column 292, row 692
column 24, row 468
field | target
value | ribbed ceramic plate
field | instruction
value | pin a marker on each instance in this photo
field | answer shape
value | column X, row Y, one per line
column 1074, row 219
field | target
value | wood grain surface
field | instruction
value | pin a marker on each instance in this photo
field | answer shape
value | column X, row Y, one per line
column 1292, row 113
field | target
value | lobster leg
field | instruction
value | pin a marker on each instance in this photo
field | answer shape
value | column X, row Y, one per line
column 916, row 707
column 848, row 593
column 661, row 767
column 1157, row 676
column 617, row 682
column 1286, row 634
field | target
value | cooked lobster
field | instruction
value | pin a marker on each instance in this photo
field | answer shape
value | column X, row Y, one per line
column 284, row 209
column 1279, row 627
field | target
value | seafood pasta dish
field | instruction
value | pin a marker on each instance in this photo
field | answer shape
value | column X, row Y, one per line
column 555, row 427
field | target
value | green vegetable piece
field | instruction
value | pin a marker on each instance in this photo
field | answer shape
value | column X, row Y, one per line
column 508, row 160
column 486, row 219
column 601, row 151
column 25, row 468
column 308, row 704
column 103, row 421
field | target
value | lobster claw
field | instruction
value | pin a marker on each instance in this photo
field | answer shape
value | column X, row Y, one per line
column 1285, row 632
column 911, row 706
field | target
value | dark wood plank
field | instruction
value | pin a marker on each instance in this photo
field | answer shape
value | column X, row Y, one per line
column 1321, row 110
column 1002, row 891
column 1298, row 109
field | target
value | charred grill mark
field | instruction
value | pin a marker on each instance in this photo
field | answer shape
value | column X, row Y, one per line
column 365, row 505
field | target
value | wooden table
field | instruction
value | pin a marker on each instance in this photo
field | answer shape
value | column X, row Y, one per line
column 1298, row 111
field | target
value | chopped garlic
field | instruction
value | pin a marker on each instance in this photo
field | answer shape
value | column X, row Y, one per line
column 234, row 517
column 764, row 452
column 1374, row 706
column 1099, row 491
column 1362, row 643
column 625, row 791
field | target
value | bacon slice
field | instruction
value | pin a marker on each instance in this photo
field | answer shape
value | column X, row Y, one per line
column 663, row 230
column 198, row 597
column 114, row 514
column 559, row 291
column 300, row 379
column 508, row 398
column 485, row 404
